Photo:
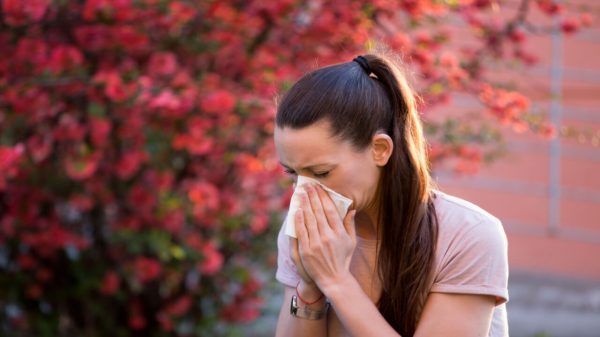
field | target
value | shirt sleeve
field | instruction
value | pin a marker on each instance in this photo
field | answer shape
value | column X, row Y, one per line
column 475, row 261
column 286, row 273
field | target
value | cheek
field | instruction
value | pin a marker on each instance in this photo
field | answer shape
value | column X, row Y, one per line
column 356, row 182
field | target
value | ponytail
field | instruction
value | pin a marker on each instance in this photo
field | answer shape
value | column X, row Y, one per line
column 408, row 230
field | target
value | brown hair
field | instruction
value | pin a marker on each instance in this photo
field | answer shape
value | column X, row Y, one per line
column 358, row 105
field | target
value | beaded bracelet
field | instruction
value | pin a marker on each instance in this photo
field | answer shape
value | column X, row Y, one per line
column 303, row 300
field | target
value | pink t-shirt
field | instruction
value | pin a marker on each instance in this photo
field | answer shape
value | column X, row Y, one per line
column 471, row 258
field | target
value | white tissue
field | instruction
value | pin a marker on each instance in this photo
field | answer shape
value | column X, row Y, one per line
column 341, row 203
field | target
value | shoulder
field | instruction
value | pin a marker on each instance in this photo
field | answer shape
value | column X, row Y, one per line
column 471, row 252
column 459, row 217
column 448, row 205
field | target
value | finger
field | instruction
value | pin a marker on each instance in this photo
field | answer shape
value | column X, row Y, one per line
column 301, row 232
column 330, row 210
column 349, row 224
column 310, row 222
column 315, row 202
column 303, row 235
column 294, row 253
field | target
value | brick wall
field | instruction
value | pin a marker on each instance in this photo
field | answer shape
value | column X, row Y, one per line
column 547, row 193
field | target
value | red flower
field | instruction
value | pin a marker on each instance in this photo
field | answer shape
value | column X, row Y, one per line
column 569, row 26
column 259, row 223
column 99, row 131
column 180, row 13
column 550, row 7
column 32, row 54
column 517, row 35
column 506, row 105
column 26, row 262
column 196, row 141
column 130, row 38
column 82, row 202
column 147, row 269
column 141, row 199
column 116, row 89
column 39, row 147
column 136, row 319
column 120, row 10
column 166, row 100
column 586, row 20
column 180, row 307
column 9, row 159
column 64, row 58
column 173, row 221
column 129, row 223
column 469, row 160
column 527, row 58
column 19, row 12
column 219, row 102
column 69, row 129
column 94, row 38
column 250, row 287
column 547, row 131
column 213, row 260
column 162, row 64
column 34, row 291
column 204, row 194
column 137, row 322
column 243, row 310
column 110, row 283
column 129, row 163
column 51, row 237
column 166, row 323
column 81, row 167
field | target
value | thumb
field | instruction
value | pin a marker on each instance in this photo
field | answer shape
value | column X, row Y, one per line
column 349, row 223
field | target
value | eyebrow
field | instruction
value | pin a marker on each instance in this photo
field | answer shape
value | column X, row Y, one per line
column 308, row 167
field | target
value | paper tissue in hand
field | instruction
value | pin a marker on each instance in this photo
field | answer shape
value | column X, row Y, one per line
column 341, row 203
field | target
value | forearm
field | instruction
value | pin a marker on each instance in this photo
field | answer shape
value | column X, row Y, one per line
column 291, row 326
column 359, row 316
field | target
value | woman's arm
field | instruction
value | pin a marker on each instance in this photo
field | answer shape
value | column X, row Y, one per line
column 456, row 315
column 290, row 326
column 451, row 315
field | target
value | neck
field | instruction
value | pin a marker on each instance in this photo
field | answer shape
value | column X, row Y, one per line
column 367, row 219
column 366, row 225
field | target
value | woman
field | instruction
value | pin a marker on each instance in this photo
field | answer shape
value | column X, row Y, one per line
column 408, row 259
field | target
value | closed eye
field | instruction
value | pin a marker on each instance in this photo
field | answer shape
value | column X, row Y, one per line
column 290, row 172
column 321, row 175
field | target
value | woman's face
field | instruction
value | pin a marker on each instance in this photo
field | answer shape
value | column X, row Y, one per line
column 313, row 152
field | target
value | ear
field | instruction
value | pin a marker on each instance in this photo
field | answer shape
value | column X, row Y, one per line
column 381, row 147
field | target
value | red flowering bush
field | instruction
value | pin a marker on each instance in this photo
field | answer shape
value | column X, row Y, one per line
column 139, row 190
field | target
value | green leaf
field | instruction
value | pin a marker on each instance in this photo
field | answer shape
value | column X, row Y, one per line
column 97, row 110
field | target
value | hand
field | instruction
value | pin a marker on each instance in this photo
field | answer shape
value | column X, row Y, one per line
column 295, row 255
column 325, row 241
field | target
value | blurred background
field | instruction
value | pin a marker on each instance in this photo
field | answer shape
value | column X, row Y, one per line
column 140, row 193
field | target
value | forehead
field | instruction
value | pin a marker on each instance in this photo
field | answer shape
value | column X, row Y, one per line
column 315, row 142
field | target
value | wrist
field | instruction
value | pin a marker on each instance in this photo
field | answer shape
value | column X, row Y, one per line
column 336, row 290
column 309, row 294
